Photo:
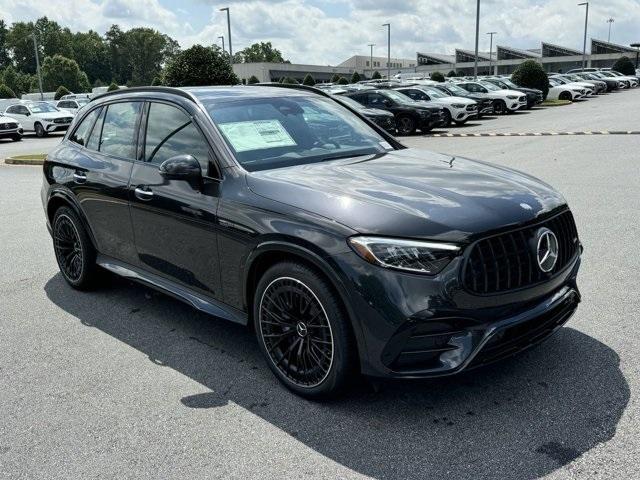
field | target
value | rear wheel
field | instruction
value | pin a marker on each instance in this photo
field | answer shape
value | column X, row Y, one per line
column 406, row 125
column 565, row 96
column 74, row 251
column 302, row 331
column 40, row 131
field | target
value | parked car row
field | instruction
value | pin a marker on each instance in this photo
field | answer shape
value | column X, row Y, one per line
column 41, row 118
column 423, row 104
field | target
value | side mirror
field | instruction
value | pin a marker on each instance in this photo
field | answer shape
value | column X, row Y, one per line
column 184, row 167
column 28, row 114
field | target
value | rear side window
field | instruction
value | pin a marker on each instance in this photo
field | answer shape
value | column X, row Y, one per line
column 94, row 135
column 119, row 129
column 81, row 134
column 171, row 132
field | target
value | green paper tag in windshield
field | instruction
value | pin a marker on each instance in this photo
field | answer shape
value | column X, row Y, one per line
column 256, row 135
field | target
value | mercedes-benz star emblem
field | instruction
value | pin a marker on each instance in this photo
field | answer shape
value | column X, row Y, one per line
column 547, row 250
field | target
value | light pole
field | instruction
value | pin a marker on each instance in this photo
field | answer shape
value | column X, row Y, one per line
column 636, row 45
column 371, row 45
column 226, row 9
column 388, row 25
column 490, row 50
column 475, row 63
column 35, row 48
column 610, row 21
column 584, row 45
column 221, row 37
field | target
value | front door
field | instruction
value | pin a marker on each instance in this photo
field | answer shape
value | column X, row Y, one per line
column 174, row 220
column 22, row 115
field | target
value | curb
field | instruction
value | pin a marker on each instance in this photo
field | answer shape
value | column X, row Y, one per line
column 23, row 161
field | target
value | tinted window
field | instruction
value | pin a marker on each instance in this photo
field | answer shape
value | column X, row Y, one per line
column 81, row 134
column 119, row 129
column 94, row 136
column 171, row 132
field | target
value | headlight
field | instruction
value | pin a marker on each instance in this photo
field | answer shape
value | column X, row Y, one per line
column 409, row 255
column 458, row 105
column 50, row 120
column 512, row 97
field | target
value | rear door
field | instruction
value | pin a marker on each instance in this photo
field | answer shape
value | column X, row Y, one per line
column 174, row 220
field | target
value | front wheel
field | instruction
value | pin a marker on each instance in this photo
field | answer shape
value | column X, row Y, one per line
column 40, row 131
column 499, row 107
column 16, row 138
column 74, row 251
column 406, row 125
column 303, row 331
column 565, row 96
column 461, row 122
column 447, row 119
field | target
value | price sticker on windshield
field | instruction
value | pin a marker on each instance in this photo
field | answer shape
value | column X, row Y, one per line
column 256, row 135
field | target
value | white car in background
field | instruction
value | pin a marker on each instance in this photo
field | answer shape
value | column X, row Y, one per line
column 10, row 128
column 589, row 89
column 633, row 81
column 457, row 109
column 72, row 105
column 504, row 101
column 40, row 117
column 559, row 91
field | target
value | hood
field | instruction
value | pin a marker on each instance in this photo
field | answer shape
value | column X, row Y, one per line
column 6, row 119
column 60, row 114
column 375, row 112
column 504, row 91
column 452, row 100
column 410, row 193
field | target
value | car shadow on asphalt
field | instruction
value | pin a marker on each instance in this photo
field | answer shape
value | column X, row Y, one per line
column 520, row 419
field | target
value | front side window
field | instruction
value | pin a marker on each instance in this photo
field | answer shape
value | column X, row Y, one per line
column 171, row 132
column 119, row 129
column 267, row 133
column 81, row 134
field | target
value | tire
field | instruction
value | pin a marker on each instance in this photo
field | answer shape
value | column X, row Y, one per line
column 460, row 122
column 40, row 131
column 565, row 96
column 406, row 125
column 499, row 107
column 447, row 119
column 16, row 138
column 74, row 251
column 303, row 332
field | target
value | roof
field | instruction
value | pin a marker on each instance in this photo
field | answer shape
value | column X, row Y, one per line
column 560, row 48
column 516, row 51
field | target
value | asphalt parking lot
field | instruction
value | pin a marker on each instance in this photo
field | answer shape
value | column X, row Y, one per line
column 124, row 382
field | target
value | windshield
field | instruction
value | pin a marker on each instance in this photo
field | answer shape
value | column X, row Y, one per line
column 42, row 108
column 266, row 133
column 459, row 91
column 82, row 101
column 434, row 93
column 560, row 81
column 397, row 96
column 489, row 86
column 509, row 83
column 350, row 101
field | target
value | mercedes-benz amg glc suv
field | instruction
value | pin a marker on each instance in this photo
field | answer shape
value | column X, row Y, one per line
column 286, row 210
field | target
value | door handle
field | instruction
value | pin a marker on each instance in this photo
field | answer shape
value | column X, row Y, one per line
column 79, row 177
column 143, row 194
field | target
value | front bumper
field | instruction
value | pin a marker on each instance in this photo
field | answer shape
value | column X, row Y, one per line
column 11, row 133
column 413, row 326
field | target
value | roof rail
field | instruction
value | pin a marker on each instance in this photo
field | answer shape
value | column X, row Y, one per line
column 296, row 86
column 174, row 90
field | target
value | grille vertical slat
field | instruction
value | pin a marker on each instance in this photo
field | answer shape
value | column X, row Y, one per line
column 508, row 261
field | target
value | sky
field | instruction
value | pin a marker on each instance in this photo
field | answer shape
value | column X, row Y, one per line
column 326, row 32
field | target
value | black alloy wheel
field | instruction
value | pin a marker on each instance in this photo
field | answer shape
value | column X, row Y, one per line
column 499, row 107
column 564, row 96
column 406, row 125
column 40, row 131
column 302, row 331
column 74, row 251
column 447, row 119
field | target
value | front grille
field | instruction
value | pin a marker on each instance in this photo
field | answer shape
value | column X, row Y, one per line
column 8, row 126
column 520, row 336
column 508, row 261
column 63, row 120
column 523, row 98
column 472, row 108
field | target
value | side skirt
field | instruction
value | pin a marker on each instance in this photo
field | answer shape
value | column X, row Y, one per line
column 196, row 300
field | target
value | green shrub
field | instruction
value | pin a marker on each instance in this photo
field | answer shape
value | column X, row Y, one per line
column 437, row 77
column 625, row 66
column 335, row 78
column 530, row 74
column 355, row 78
column 112, row 87
column 253, row 80
column 197, row 66
column 289, row 80
column 61, row 92
column 376, row 76
column 6, row 92
column 343, row 81
column 452, row 74
column 308, row 80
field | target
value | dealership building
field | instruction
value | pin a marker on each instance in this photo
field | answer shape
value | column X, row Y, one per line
column 504, row 60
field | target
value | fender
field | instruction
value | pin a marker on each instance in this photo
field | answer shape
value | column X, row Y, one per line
column 64, row 195
column 323, row 263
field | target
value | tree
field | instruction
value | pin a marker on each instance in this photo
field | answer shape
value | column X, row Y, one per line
column 625, row 66
column 335, row 78
column 437, row 77
column 343, row 81
column 59, row 70
column 452, row 73
column 157, row 81
column 376, row 75
column 61, row 92
column 112, row 87
column 5, row 59
column 92, row 54
column 308, row 80
column 289, row 80
column 146, row 50
column 253, row 80
column 6, row 92
column 200, row 65
column 530, row 74
column 355, row 78
column 260, row 52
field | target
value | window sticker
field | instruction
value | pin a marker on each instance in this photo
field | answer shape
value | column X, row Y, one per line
column 386, row 145
column 256, row 135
